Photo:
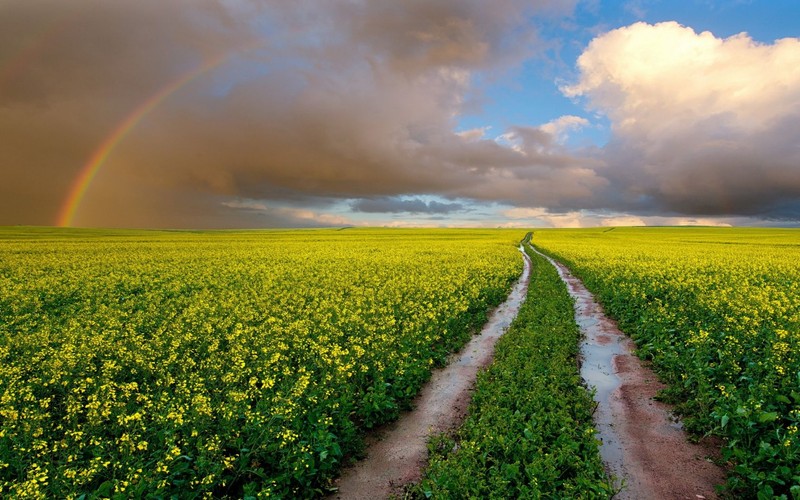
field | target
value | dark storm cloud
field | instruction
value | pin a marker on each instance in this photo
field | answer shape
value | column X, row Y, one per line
column 418, row 35
column 699, row 172
column 409, row 205
column 71, row 71
column 344, row 100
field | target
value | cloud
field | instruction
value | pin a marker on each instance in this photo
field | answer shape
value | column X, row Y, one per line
column 543, row 217
column 474, row 134
column 561, row 126
column 701, row 125
column 344, row 100
column 357, row 103
column 70, row 72
column 408, row 205
column 287, row 216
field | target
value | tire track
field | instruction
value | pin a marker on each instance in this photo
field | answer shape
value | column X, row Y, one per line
column 398, row 453
column 643, row 445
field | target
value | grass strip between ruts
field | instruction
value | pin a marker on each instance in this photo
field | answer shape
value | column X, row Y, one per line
column 529, row 430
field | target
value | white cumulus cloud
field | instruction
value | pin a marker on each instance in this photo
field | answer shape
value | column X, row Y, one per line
column 701, row 125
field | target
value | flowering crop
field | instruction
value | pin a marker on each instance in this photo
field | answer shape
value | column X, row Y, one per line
column 718, row 312
column 222, row 363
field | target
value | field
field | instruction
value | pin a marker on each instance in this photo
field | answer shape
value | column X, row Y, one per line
column 718, row 313
column 250, row 363
column 222, row 363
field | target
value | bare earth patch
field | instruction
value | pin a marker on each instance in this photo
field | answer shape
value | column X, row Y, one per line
column 397, row 453
column 643, row 444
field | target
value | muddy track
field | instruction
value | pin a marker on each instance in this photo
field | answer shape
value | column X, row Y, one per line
column 397, row 453
column 643, row 444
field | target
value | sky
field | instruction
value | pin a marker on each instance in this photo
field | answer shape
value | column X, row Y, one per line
column 424, row 113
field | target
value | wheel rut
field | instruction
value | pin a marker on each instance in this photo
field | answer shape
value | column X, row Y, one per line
column 397, row 453
column 642, row 444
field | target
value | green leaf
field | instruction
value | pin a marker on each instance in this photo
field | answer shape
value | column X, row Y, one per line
column 766, row 493
column 105, row 489
column 768, row 417
column 724, row 421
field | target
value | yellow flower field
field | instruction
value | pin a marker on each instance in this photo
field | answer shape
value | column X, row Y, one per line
column 222, row 363
column 718, row 312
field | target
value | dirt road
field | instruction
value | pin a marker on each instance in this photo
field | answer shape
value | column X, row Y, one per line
column 644, row 446
column 397, row 455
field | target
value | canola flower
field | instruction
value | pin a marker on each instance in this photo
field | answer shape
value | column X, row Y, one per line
column 717, row 310
column 222, row 363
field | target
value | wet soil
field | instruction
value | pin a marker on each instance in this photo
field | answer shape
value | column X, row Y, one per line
column 643, row 445
column 397, row 453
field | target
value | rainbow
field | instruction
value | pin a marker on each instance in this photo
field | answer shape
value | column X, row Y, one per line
column 99, row 156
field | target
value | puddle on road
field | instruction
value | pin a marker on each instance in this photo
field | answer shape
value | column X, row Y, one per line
column 598, row 349
column 642, row 443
